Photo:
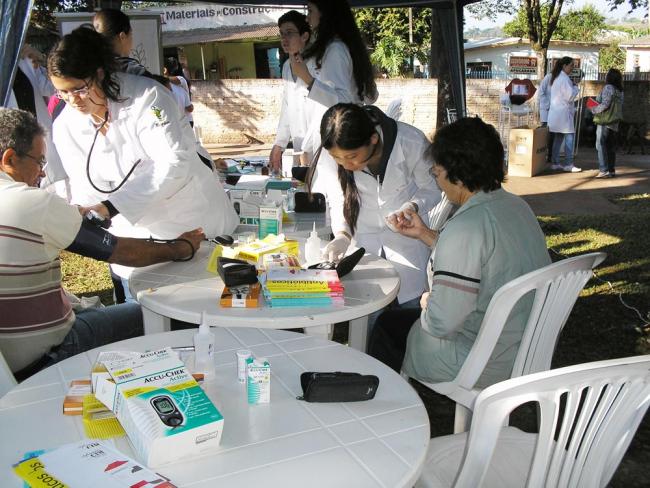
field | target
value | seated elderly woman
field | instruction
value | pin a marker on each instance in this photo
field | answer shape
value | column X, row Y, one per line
column 491, row 239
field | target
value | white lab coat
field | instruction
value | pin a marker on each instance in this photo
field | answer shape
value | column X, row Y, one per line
column 42, row 88
column 333, row 83
column 544, row 98
column 171, row 191
column 561, row 114
column 407, row 178
column 292, row 124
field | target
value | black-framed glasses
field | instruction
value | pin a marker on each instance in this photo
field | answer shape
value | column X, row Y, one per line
column 42, row 162
column 79, row 92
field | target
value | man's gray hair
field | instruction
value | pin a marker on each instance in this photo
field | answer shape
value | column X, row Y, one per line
column 18, row 130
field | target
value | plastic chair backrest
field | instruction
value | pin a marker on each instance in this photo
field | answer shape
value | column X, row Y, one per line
column 7, row 380
column 394, row 109
column 588, row 416
column 440, row 213
column 557, row 287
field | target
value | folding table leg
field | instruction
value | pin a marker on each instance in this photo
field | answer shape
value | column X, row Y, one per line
column 154, row 323
column 358, row 333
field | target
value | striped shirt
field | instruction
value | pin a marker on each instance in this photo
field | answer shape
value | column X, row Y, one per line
column 35, row 314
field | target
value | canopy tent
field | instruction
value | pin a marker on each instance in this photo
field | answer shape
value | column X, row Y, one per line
column 15, row 19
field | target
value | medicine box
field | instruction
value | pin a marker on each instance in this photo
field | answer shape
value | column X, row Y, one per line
column 165, row 413
column 270, row 219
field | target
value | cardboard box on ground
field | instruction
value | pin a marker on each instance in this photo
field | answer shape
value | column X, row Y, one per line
column 527, row 151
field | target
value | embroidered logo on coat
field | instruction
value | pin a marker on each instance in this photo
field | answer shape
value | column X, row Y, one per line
column 158, row 113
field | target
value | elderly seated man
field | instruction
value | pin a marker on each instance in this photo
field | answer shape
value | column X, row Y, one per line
column 38, row 325
column 492, row 239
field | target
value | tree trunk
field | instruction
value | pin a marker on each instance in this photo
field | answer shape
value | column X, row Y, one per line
column 439, row 69
column 542, row 63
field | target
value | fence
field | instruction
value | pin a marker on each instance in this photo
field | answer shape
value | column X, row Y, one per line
column 589, row 75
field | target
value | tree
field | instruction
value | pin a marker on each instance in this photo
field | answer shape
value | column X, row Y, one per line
column 377, row 24
column 391, row 54
column 585, row 24
column 611, row 56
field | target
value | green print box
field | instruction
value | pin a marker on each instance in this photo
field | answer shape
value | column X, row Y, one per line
column 163, row 410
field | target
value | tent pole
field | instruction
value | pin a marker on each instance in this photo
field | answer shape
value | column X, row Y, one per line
column 203, row 62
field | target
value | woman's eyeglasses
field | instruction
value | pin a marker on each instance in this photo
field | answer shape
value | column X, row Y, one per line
column 289, row 34
column 79, row 92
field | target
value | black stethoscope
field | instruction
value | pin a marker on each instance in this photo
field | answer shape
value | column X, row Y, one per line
column 90, row 153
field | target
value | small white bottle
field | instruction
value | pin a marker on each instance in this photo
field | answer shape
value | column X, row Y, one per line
column 312, row 247
column 204, row 348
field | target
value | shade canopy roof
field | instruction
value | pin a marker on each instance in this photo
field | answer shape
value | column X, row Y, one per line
column 15, row 19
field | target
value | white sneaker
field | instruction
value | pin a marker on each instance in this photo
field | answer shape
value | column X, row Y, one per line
column 556, row 167
column 571, row 169
column 603, row 174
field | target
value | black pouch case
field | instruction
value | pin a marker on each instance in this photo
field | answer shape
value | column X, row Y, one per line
column 235, row 272
column 337, row 387
column 345, row 265
column 304, row 204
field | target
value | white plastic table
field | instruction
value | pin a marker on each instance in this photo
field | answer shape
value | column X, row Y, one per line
column 182, row 290
column 286, row 443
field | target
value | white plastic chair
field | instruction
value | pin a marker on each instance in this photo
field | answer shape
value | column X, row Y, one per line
column 556, row 288
column 588, row 416
column 394, row 109
column 7, row 380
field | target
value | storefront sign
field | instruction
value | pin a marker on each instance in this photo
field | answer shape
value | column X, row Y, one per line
column 523, row 64
column 207, row 16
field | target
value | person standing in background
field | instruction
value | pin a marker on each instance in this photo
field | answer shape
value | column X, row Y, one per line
column 335, row 67
column 544, row 102
column 561, row 115
column 294, row 35
column 116, row 27
column 610, row 98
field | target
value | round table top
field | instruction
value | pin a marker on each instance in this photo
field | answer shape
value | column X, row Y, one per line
column 182, row 290
column 285, row 443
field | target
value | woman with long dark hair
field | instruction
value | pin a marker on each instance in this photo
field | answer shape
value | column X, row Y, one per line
column 128, row 152
column 610, row 99
column 382, row 172
column 116, row 27
column 561, row 114
column 335, row 67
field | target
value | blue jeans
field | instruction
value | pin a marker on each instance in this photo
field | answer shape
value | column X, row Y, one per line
column 558, row 140
column 606, row 148
column 96, row 327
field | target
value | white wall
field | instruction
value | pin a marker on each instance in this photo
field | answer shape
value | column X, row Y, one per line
column 644, row 58
column 499, row 55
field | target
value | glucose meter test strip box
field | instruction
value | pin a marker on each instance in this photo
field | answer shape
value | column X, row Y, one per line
column 164, row 411
column 258, row 380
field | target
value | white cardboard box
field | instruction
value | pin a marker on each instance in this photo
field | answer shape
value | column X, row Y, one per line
column 164, row 411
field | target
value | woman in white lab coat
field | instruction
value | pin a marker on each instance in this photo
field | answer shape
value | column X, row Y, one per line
column 382, row 170
column 294, row 35
column 335, row 67
column 126, row 149
column 561, row 114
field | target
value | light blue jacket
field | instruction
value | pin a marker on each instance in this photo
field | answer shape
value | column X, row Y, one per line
column 492, row 239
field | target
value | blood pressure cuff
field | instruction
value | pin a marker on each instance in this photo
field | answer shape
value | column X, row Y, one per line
column 93, row 242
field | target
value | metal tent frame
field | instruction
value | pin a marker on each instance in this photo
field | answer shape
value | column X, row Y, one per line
column 15, row 19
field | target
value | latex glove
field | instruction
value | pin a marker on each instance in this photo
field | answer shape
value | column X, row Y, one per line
column 336, row 248
column 394, row 219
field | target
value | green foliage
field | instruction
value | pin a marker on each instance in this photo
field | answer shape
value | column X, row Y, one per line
column 391, row 54
column 489, row 9
column 611, row 56
column 583, row 25
column 377, row 24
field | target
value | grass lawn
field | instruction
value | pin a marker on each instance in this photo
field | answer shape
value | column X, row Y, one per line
column 600, row 326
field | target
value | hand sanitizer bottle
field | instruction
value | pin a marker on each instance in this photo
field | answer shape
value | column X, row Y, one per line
column 204, row 348
column 312, row 247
